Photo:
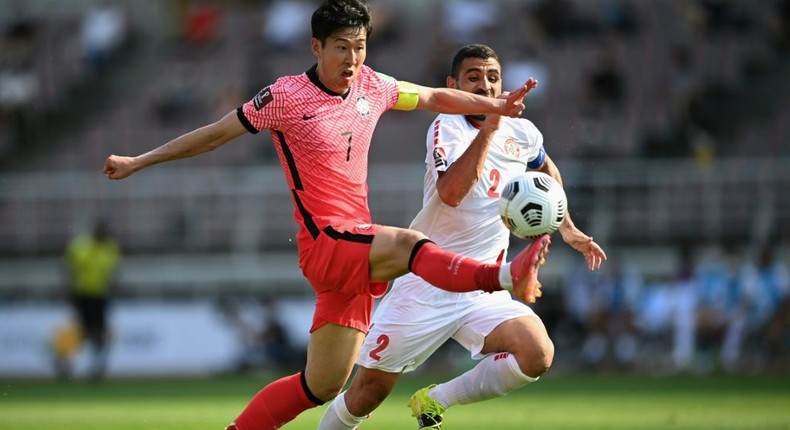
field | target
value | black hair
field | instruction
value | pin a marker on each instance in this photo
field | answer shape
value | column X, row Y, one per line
column 333, row 15
column 473, row 50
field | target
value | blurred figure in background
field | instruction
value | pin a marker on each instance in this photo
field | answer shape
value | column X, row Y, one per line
column 267, row 343
column 766, row 305
column 667, row 316
column 104, row 31
column 718, row 308
column 612, row 336
column 286, row 24
column 92, row 263
column 19, row 84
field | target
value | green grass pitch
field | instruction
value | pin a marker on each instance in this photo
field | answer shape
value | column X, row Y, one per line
column 573, row 401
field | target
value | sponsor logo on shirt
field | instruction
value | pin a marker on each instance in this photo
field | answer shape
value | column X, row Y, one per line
column 263, row 98
column 362, row 106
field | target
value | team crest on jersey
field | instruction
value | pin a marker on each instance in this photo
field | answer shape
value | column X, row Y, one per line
column 439, row 157
column 263, row 98
column 512, row 148
column 362, row 106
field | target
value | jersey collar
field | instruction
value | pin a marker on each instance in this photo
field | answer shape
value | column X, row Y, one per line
column 312, row 74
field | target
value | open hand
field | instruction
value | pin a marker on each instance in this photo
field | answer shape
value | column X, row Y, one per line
column 593, row 253
column 515, row 100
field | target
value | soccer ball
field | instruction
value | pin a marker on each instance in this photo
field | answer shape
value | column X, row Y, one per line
column 532, row 204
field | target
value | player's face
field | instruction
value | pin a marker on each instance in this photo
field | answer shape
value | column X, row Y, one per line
column 478, row 76
column 340, row 57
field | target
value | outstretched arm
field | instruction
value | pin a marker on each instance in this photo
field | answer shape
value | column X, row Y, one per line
column 452, row 101
column 204, row 139
column 593, row 253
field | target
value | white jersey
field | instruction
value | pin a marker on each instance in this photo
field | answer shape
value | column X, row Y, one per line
column 415, row 318
column 474, row 228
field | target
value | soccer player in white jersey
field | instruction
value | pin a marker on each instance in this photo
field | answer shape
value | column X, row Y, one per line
column 469, row 160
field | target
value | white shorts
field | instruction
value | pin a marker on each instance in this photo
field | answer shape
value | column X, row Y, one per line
column 415, row 318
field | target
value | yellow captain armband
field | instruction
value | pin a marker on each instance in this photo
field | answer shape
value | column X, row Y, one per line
column 408, row 93
column 408, row 96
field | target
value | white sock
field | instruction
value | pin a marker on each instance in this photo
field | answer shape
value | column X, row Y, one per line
column 337, row 416
column 495, row 376
column 505, row 280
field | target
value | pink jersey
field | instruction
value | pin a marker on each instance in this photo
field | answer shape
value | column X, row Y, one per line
column 322, row 139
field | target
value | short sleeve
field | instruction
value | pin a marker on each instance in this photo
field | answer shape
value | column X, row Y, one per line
column 445, row 143
column 389, row 89
column 527, row 132
column 264, row 111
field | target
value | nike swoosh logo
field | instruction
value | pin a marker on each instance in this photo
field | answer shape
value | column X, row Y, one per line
column 306, row 117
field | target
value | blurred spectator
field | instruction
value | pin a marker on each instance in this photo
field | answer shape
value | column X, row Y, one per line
column 604, row 304
column 779, row 26
column 716, row 306
column 286, row 24
column 19, row 84
column 65, row 343
column 104, row 31
column 466, row 20
column 559, row 19
column 724, row 15
column 177, row 96
column 621, row 286
column 578, row 297
column 681, row 79
column 529, row 65
column 18, row 88
column 267, row 344
column 667, row 308
column 605, row 86
column 619, row 16
column 202, row 24
column 92, row 262
column 766, row 287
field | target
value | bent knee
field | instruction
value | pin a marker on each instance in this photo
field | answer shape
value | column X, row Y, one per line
column 538, row 359
column 406, row 238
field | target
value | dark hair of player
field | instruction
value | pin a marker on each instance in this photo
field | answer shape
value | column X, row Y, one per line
column 473, row 50
column 334, row 15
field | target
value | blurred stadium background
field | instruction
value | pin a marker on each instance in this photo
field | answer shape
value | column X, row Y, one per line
column 670, row 121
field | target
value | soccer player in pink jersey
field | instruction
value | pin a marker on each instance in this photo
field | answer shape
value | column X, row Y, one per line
column 322, row 122
column 469, row 159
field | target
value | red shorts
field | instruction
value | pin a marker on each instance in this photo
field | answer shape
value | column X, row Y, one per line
column 337, row 265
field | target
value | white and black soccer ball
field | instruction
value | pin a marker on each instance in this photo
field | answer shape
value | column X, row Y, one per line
column 531, row 204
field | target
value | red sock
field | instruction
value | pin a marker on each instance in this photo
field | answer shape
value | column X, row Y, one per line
column 450, row 271
column 276, row 404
